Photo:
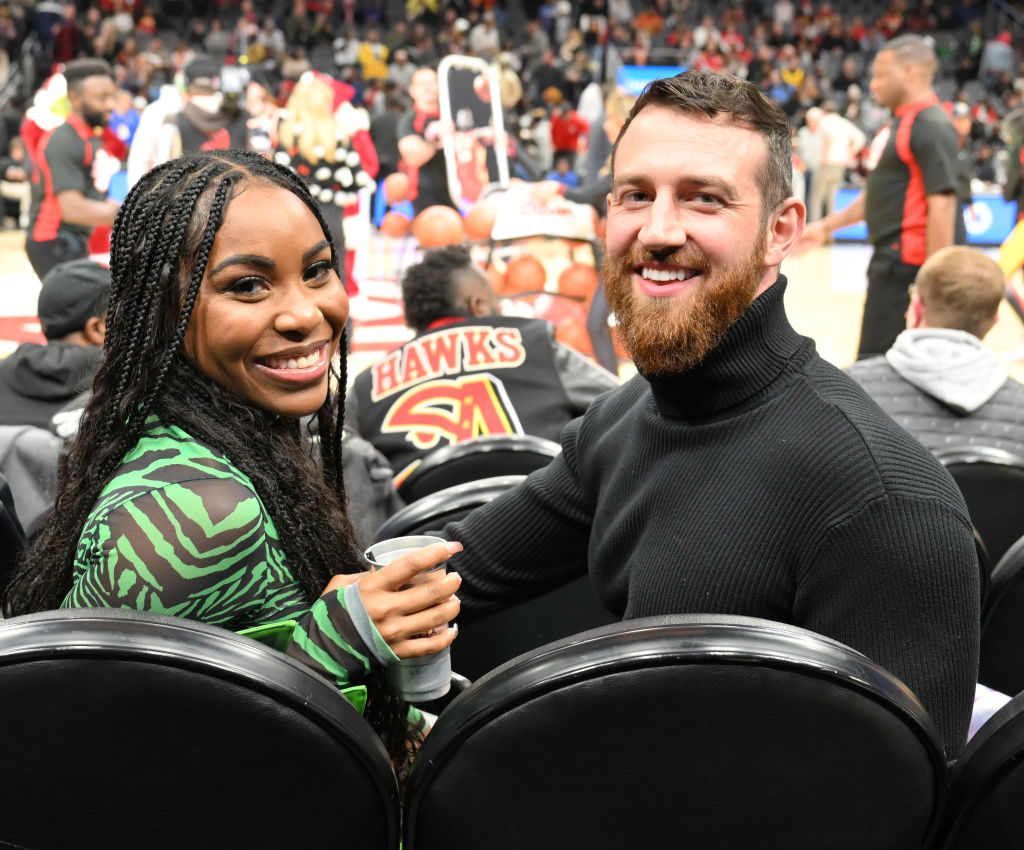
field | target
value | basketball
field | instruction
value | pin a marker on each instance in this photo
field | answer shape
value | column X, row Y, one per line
column 578, row 281
column 497, row 278
column 572, row 331
column 395, row 225
column 438, row 225
column 396, row 188
column 524, row 274
column 480, row 220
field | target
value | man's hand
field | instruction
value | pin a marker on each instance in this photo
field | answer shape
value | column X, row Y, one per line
column 815, row 234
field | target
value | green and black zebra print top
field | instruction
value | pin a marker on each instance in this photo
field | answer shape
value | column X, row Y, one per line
column 180, row 530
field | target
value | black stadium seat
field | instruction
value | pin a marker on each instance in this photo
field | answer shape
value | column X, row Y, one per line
column 701, row 731
column 992, row 483
column 124, row 729
column 482, row 457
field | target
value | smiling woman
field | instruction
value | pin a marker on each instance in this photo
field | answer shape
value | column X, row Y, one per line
column 190, row 489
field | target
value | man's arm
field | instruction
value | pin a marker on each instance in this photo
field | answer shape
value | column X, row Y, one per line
column 899, row 582
column 816, row 232
column 75, row 208
column 417, row 151
column 527, row 541
column 934, row 146
column 939, row 226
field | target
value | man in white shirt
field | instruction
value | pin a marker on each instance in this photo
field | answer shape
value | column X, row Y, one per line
column 842, row 140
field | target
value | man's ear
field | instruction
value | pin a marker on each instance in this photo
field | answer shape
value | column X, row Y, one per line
column 785, row 227
column 479, row 306
column 915, row 312
column 95, row 330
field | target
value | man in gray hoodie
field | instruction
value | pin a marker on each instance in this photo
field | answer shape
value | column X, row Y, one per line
column 938, row 381
column 37, row 380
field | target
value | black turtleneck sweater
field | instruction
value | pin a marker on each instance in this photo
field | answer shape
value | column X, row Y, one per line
column 762, row 482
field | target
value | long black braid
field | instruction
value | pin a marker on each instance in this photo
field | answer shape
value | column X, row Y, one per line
column 161, row 243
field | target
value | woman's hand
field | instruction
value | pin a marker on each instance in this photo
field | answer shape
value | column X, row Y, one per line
column 411, row 607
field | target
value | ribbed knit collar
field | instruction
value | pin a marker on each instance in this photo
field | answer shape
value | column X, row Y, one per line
column 752, row 354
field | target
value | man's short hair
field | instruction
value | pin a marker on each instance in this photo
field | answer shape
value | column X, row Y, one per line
column 80, row 69
column 911, row 49
column 960, row 288
column 429, row 287
column 710, row 94
column 72, row 293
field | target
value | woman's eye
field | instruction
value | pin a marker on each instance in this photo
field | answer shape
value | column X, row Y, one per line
column 318, row 271
column 247, row 286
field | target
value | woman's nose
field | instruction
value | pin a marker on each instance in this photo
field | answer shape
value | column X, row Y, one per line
column 299, row 311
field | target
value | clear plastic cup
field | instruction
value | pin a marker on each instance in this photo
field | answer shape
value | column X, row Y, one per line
column 426, row 677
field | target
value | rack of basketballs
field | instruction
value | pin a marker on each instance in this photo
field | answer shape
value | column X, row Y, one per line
column 547, row 277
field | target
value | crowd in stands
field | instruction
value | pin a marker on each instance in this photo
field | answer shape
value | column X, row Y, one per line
column 558, row 59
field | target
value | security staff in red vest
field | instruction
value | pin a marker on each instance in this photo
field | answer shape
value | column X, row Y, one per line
column 70, row 185
column 469, row 371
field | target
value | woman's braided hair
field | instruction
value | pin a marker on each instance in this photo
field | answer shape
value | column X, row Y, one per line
column 161, row 243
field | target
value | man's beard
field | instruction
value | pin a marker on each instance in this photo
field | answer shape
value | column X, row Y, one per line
column 668, row 335
column 94, row 119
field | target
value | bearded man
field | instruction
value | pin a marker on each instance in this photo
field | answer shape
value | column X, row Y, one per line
column 738, row 472
column 69, row 186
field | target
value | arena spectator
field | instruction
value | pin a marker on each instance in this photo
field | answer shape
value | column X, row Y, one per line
column 666, row 490
column 842, row 141
column 568, row 128
column 939, row 381
column 423, row 395
column 373, row 56
column 15, row 179
column 37, row 380
column 178, row 394
column 997, row 62
column 205, row 121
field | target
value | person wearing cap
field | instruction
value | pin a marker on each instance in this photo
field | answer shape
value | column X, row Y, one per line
column 69, row 186
column 37, row 379
column 203, row 123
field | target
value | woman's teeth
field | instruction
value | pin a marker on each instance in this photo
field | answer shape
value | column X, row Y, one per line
column 294, row 362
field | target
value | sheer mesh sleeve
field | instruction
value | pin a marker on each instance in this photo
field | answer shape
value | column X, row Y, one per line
column 203, row 549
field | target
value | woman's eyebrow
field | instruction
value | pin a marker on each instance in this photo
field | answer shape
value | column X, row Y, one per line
column 243, row 260
column 264, row 262
column 316, row 249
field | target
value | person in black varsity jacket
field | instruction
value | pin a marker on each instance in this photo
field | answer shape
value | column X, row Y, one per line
column 738, row 472
column 909, row 202
column 469, row 371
